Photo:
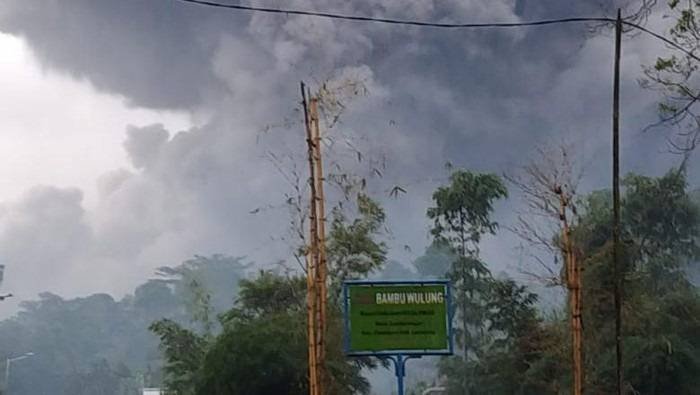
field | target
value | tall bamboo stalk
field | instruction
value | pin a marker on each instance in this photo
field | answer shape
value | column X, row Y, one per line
column 311, row 261
column 573, row 284
column 321, row 268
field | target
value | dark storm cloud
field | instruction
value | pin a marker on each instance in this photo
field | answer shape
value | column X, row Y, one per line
column 481, row 99
column 158, row 53
column 151, row 52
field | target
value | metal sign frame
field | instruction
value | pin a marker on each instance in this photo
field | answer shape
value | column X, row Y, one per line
column 389, row 353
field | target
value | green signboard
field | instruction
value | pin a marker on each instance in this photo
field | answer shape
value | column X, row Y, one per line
column 397, row 317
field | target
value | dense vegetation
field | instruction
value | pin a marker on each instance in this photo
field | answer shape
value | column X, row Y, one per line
column 524, row 351
column 202, row 342
column 211, row 345
column 97, row 345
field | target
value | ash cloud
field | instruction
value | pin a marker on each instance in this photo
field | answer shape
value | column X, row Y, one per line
column 480, row 99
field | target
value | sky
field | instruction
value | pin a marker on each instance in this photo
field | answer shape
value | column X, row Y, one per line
column 136, row 134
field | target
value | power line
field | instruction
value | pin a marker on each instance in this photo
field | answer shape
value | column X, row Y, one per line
column 403, row 22
column 394, row 21
column 662, row 38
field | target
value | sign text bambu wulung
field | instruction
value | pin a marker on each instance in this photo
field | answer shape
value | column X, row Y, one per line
column 406, row 317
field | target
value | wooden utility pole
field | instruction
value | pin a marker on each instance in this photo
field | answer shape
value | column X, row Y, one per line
column 316, row 267
column 616, row 204
column 573, row 285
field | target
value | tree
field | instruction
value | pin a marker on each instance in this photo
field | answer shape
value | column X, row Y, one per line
column 184, row 353
column 548, row 185
column 675, row 76
column 216, row 275
column 660, row 228
column 261, row 348
column 184, row 345
column 519, row 343
column 461, row 216
column 353, row 248
column 96, row 343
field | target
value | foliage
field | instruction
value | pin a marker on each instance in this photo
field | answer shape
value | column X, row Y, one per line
column 524, row 352
column 76, row 343
column 98, row 345
column 214, row 277
column 262, row 346
column 262, row 349
column 461, row 216
column 675, row 77
column 519, row 354
column 462, row 211
column 183, row 351
column 353, row 250
column 661, row 225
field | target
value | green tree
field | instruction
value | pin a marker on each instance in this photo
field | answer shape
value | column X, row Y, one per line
column 184, row 352
column 660, row 229
column 262, row 349
column 461, row 217
column 80, row 343
column 185, row 345
column 215, row 277
column 675, row 76
column 354, row 250
column 262, row 346
column 518, row 341
column 523, row 354
column 526, row 353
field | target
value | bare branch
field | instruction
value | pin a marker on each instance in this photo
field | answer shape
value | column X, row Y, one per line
column 548, row 186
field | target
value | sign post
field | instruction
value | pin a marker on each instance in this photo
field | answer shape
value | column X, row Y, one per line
column 398, row 320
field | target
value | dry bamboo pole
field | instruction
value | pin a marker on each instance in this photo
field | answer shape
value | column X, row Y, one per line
column 573, row 284
column 321, row 269
column 311, row 263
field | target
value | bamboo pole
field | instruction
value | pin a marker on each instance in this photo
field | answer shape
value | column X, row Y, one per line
column 573, row 284
column 311, row 264
column 321, row 270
